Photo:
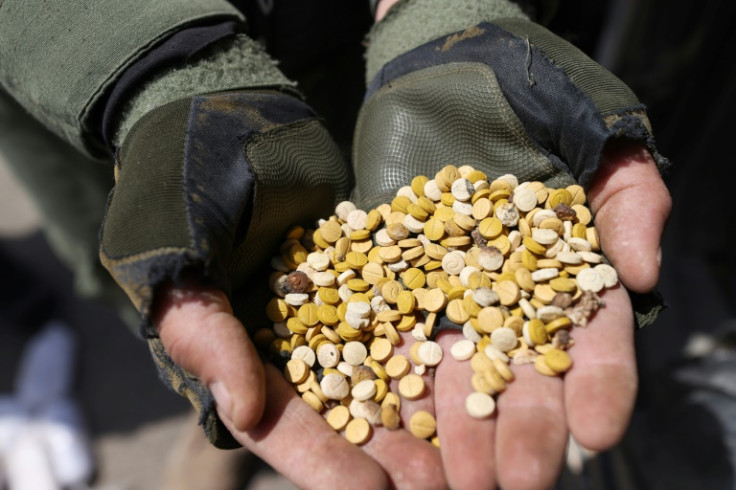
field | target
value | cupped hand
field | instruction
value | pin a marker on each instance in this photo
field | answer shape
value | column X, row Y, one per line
column 523, row 446
column 264, row 413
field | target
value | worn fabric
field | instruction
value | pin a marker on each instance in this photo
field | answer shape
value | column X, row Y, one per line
column 38, row 40
column 411, row 23
column 230, row 64
column 506, row 97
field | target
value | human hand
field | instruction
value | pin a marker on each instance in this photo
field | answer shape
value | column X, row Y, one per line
column 202, row 350
column 498, row 97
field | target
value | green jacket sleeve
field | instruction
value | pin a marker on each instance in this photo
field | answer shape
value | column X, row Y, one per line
column 57, row 58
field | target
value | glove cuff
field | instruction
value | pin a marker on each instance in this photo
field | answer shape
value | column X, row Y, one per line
column 235, row 63
column 412, row 23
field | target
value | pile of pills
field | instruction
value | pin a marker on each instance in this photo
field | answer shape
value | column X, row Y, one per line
column 513, row 266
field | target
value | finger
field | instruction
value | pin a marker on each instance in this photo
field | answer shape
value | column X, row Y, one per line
column 600, row 389
column 426, row 400
column 466, row 444
column 409, row 462
column 631, row 205
column 297, row 442
column 202, row 336
column 531, row 431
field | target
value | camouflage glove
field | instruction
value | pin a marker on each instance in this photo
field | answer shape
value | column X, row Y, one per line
column 205, row 188
column 501, row 94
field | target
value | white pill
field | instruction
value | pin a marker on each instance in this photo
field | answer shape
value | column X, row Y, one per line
column 541, row 275
column 503, row 339
column 365, row 390
column 296, row 299
column 462, row 350
column 328, row 355
column 590, row 280
column 305, row 353
column 608, row 274
column 354, row 353
column 544, row 236
column 480, row 405
column 430, row 353
column 334, row 386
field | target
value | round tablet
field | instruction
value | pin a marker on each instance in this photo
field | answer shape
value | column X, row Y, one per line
column 430, row 353
column 411, row 386
column 358, row 431
column 422, row 424
column 462, row 350
column 338, row 417
column 480, row 405
column 334, row 386
column 354, row 353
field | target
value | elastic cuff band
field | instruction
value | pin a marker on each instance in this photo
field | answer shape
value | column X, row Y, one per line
column 412, row 23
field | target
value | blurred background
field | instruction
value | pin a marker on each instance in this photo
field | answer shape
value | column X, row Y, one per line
column 679, row 59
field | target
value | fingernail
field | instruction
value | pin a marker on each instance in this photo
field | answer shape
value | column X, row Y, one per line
column 222, row 399
column 659, row 256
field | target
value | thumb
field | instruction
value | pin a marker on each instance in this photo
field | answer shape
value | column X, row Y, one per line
column 631, row 205
column 200, row 334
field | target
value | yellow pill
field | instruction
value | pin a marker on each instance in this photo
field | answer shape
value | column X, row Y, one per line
column 508, row 292
column 490, row 228
column 499, row 195
column 338, row 417
column 372, row 272
column 426, row 204
column 411, row 386
column 558, row 324
column 330, row 231
column 490, row 318
column 482, row 193
column 413, row 278
column 544, row 293
column 524, row 279
column 482, row 208
column 296, row 371
column 502, row 243
column 379, row 371
column 579, row 230
column 397, row 367
column 359, row 285
column 417, row 184
column 381, row 390
column 356, row 260
column 422, row 424
column 447, row 199
column 308, row 314
column 456, row 312
column 476, row 175
column 542, row 367
column 578, row 194
column 558, row 360
column 406, row 302
column 390, row 291
column 399, row 203
column 342, row 267
column 563, row 285
column 417, row 211
column 373, row 220
column 533, row 246
column 360, row 235
column 471, row 307
column 443, row 215
column 537, row 332
column 277, row 310
column 313, row 401
column 319, row 241
column 296, row 326
column 406, row 323
column 390, row 254
column 559, row 196
column 358, row 431
column 434, row 300
column 591, row 234
column 434, row 229
column 381, row 349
